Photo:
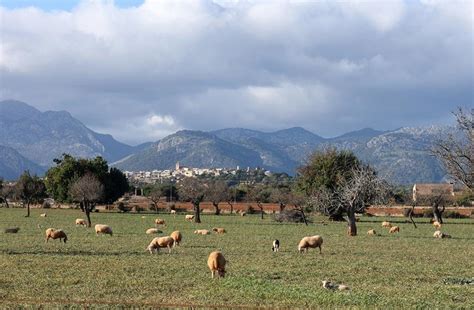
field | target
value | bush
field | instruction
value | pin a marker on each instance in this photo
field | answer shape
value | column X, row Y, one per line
column 171, row 206
column 291, row 216
column 250, row 210
column 428, row 213
column 121, row 207
column 454, row 215
column 137, row 209
column 46, row 204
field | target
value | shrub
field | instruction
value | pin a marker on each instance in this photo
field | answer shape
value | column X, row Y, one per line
column 46, row 204
column 428, row 213
column 291, row 216
column 250, row 210
column 171, row 206
column 121, row 207
column 454, row 215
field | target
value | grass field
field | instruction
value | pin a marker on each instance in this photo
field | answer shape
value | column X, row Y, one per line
column 395, row 271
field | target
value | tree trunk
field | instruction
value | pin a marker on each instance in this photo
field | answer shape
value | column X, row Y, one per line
column 87, row 209
column 197, row 213
column 282, row 207
column 351, row 223
column 156, row 207
column 410, row 214
column 303, row 214
column 231, row 207
column 261, row 209
column 216, row 206
column 27, row 209
column 437, row 213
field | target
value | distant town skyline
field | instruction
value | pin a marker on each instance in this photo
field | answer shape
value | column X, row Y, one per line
column 141, row 70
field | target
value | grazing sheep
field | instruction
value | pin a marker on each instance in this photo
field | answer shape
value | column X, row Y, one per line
column 11, row 230
column 189, row 217
column 160, row 242
column 219, row 230
column 216, row 262
column 343, row 287
column 103, row 229
column 440, row 235
column 43, row 214
column 437, row 224
column 371, row 232
column 54, row 234
column 243, row 213
column 173, row 212
column 81, row 222
column 159, row 222
column 276, row 245
column 386, row 224
column 394, row 229
column 151, row 231
column 177, row 237
column 310, row 242
column 202, row 232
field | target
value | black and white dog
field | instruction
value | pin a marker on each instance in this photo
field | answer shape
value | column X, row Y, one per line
column 276, row 245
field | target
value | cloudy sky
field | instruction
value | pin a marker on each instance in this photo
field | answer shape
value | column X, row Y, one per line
column 143, row 69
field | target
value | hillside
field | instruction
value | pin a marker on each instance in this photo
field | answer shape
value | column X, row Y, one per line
column 12, row 164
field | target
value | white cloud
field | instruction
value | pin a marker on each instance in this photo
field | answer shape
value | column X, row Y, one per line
column 143, row 72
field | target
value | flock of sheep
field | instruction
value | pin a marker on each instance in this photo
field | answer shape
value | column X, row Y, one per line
column 216, row 261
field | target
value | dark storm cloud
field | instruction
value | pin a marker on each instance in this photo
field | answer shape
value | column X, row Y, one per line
column 141, row 73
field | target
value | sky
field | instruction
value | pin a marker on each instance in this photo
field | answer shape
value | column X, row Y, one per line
column 141, row 70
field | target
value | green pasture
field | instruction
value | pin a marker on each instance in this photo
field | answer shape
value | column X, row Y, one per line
column 406, row 270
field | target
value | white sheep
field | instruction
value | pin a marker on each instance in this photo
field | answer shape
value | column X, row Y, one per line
column 310, row 242
column 386, row 224
column 437, row 225
column 54, row 234
column 43, row 214
column 103, row 229
column 81, row 222
column 177, row 237
column 189, row 217
column 216, row 262
column 202, row 232
column 160, row 242
column 151, row 231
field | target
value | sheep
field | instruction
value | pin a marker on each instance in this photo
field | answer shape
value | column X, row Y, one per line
column 332, row 286
column 11, row 230
column 189, row 217
column 173, row 212
column 276, row 245
column 103, row 229
column 202, row 232
column 160, row 242
column 440, row 235
column 371, row 232
column 310, row 242
column 437, row 225
column 216, row 262
column 394, row 229
column 159, row 222
column 386, row 224
column 177, row 237
column 54, row 234
column 81, row 222
column 43, row 214
column 243, row 213
column 151, row 231
column 219, row 230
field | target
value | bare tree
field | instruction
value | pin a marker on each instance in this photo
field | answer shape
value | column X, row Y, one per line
column 30, row 189
column 192, row 190
column 363, row 189
column 299, row 201
column 281, row 196
column 217, row 192
column 87, row 190
column 456, row 152
column 259, row 194
column 6, row 191
column 155, row 195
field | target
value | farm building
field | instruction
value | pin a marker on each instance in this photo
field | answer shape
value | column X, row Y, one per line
column 426, row 191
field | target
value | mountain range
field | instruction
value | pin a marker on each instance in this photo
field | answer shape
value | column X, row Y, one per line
column 30, row 139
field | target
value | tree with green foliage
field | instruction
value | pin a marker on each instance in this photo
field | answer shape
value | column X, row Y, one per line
column 87, row 190
column 6, row 192
column 68, row 169
column 30, row 189
column 327, row 171
column 192, row 190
